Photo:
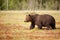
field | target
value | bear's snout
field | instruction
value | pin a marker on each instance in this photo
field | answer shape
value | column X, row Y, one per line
column 24, row 20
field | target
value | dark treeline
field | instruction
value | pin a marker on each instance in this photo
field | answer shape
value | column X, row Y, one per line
column 29, row 4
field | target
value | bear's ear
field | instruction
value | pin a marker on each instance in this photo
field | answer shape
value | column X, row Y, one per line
column 29, row 15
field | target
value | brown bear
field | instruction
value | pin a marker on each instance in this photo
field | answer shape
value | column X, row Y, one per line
column 41, row 20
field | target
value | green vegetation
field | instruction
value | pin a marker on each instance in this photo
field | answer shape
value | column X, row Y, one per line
column 29, row 4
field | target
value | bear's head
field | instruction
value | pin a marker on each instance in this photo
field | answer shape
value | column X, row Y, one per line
column 28, row 18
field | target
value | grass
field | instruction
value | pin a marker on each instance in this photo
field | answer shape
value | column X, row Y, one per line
column 13, row 27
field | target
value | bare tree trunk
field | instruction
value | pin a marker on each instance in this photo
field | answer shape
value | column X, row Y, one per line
column 7, row 4
column 30, row 4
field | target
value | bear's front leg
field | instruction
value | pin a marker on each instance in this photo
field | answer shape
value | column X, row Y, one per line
column 32, row 25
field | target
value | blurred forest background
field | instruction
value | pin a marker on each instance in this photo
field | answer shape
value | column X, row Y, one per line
column 29, row 4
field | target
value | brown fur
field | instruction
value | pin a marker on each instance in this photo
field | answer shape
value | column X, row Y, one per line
column 41, row 20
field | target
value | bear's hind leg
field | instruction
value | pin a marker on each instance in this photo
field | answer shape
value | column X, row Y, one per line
column 53, row 27
column 39, row 26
